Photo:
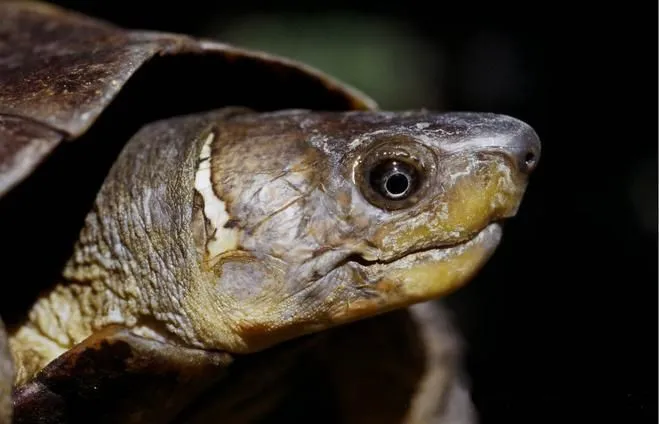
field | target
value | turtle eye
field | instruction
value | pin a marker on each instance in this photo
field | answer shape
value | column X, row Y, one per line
column 394, row 173
column 394, row 179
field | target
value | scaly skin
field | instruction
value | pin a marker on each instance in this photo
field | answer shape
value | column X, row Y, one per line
column 236, row 232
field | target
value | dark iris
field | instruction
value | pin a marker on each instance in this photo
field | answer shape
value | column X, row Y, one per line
column 394, row 179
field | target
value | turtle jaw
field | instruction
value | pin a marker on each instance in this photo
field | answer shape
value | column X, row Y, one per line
column 417, row 277
column 349, row 289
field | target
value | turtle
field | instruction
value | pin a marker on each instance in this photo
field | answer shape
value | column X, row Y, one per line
column 196, row 232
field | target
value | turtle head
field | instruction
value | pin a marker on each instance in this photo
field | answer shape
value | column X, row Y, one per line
column 318, row 219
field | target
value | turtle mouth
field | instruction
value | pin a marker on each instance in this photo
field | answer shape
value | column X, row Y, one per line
column 432, row 270
column 379, row 286
column 488, row 238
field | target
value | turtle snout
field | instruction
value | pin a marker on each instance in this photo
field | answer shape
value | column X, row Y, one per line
column 522, row 148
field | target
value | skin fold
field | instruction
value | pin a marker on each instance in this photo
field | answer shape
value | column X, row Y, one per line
column 241, row 232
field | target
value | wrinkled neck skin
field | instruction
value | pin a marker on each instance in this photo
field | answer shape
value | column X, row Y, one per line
column 135, row 259
column 236, row 231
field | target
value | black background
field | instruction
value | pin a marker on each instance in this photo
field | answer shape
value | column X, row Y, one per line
column 561, row 323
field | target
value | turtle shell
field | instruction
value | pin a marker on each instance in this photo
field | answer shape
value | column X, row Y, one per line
column 62, row 70
column 68, row 77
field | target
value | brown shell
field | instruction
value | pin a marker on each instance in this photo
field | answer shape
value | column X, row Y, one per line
column 117, row 377
column 60, row 70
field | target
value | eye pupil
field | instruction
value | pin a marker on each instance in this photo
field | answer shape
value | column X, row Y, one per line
column 393, row 179
column 397, row 184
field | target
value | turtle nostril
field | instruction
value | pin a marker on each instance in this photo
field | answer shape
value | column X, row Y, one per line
column 529, row 162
